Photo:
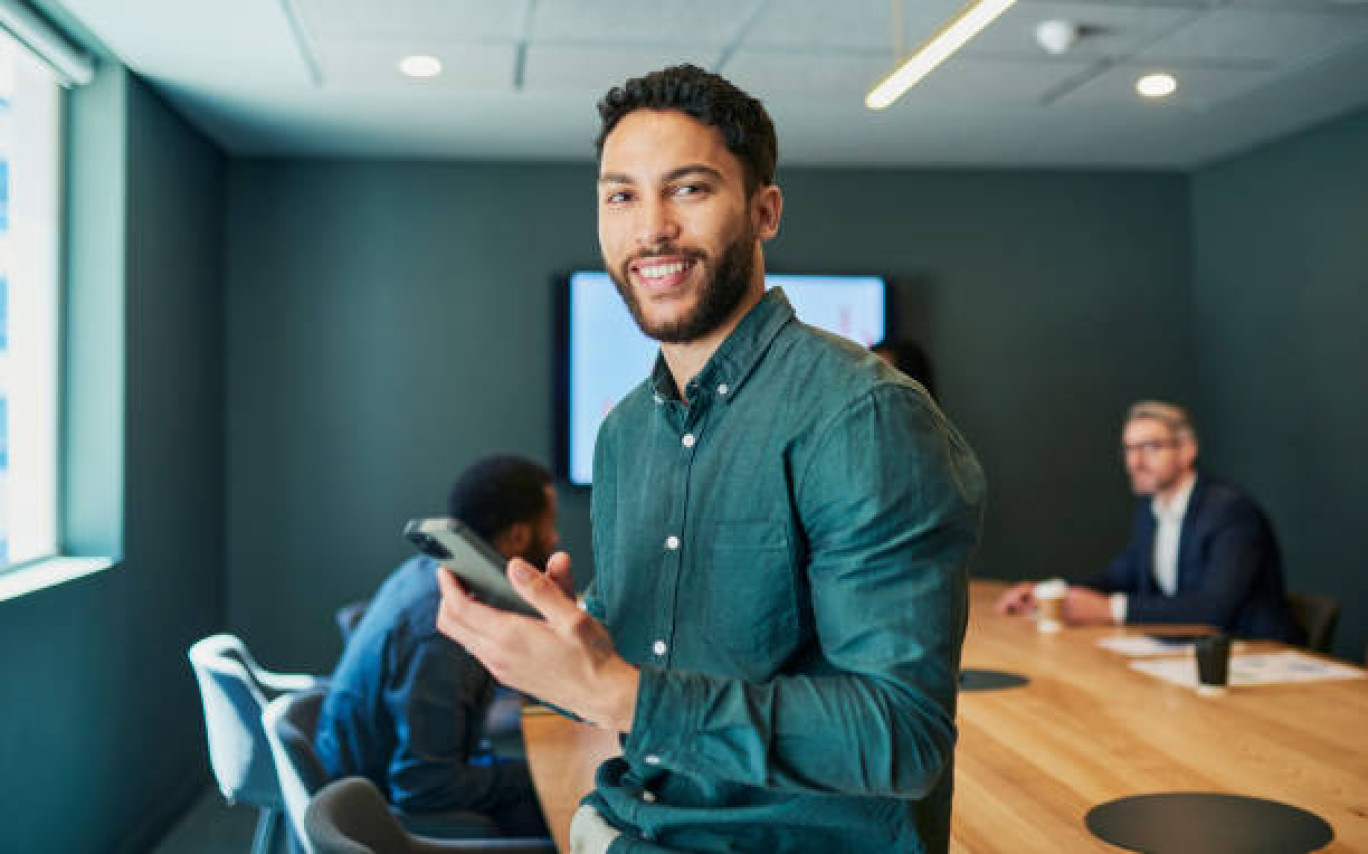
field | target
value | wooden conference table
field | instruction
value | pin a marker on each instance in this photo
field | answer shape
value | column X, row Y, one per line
column 1086, row 730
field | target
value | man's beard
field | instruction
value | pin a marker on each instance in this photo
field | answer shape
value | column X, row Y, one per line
column 719, row 297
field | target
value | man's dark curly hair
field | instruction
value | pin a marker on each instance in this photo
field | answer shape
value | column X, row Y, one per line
column 712, row 100
column 497, row 491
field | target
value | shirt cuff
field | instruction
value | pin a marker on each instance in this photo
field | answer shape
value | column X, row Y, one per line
column 663, row 722
column 1118, row 608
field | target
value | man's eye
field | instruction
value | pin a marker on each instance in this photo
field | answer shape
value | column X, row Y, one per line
column 616, row 198
column 689, row 189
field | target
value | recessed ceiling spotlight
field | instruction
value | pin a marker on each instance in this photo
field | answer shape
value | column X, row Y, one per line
column 1156, row 85
column 420, row 66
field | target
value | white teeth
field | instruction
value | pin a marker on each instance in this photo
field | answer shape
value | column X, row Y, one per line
column 660, row 270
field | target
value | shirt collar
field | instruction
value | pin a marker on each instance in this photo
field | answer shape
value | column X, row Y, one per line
column 1175, row 508
column 738, row 355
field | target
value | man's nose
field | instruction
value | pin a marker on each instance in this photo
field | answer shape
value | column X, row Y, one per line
column 656, row 224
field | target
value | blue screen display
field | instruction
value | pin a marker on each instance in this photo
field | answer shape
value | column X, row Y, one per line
column 607, row 355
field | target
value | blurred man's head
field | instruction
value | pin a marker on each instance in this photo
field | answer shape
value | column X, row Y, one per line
column 1159, row 445
column 510, row 502
column 908, row 356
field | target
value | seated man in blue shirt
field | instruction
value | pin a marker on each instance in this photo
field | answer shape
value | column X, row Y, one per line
column 1200, row 550
column 407, row 705
column 782, row 525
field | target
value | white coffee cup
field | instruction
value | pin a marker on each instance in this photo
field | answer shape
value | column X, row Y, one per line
column 1049, row 597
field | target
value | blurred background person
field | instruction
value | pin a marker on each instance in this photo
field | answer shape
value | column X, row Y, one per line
column 1200, row 551
column 407, row 705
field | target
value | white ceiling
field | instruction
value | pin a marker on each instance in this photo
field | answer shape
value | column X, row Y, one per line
column 318, row 77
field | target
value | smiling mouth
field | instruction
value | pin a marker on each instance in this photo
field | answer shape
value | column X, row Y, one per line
column 662, row 273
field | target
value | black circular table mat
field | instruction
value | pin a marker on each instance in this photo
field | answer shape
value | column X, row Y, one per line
column 971, row 679
column 1206, row 823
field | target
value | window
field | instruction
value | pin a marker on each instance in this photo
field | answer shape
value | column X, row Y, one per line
column 30, row 147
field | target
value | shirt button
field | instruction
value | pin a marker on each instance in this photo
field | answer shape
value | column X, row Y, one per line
column 672, row 542
column 723, row 389
column 659, row 399
column 660, row 647
column 688, row 440
column 651, row 759
column 648, row 797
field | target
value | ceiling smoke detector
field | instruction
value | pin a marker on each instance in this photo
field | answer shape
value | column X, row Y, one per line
column 1057, row 36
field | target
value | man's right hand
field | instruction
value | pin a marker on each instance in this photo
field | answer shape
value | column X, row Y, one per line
column 1019, row 599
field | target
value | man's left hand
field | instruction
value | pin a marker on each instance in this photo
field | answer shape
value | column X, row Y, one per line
column 566, row 659
column 1084, row 607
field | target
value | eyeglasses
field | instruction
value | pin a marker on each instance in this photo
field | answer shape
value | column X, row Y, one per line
column 1153, row 446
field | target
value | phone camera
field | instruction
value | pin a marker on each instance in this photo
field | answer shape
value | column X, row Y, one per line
column 431, row 547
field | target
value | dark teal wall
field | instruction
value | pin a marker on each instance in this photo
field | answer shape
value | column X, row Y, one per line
column 1281, row 295
column 388, row 323
column 100, row 731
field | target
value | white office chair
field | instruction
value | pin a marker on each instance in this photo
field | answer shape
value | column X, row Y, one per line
column 235, row 691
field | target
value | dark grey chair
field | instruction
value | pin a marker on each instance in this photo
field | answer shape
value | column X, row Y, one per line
column 234, row 690
column 349, row 816
column 290, row 721
column 1318, row 616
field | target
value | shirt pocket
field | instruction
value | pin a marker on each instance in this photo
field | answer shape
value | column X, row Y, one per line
column 748, row 606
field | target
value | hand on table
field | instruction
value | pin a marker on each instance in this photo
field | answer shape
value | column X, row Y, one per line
column 1018, row 599
column 566, row 659
column 1084, row 607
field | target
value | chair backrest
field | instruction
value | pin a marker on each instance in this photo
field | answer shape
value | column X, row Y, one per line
column 233, row 701
column 349, row 816
column 290, row 721
column 1318, row 616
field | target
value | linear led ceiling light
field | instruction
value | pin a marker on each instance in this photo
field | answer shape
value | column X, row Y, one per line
column 951, row 38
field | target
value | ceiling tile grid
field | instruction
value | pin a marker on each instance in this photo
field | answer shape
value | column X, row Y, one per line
column 371, row 65
column 1108, row 30
column 590, row 68
column 1234, row 35
column 829, row 75
column 658, row 22
column 1198, row 88
column 522, row 72
column 449, row 20
column 859, row 25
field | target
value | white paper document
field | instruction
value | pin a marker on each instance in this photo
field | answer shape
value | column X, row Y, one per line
column 1269, row 668
column 1138, row 645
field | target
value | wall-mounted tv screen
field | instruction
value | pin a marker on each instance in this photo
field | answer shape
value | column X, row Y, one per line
column 603, row 355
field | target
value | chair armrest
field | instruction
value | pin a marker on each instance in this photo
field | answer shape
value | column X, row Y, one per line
column 291, row 683
column 448, row 824
column 422, row 845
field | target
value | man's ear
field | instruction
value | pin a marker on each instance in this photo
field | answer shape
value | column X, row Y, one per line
column 513, row 541
column 767, row 208
column 1189, row 451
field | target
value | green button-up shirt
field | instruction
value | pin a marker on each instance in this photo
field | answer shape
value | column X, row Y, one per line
column 784, row 557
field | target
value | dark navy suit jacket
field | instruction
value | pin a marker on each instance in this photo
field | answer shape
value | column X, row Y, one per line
column 1229, row 569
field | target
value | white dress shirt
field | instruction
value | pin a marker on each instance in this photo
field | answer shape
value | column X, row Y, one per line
column 1169, row 518
column 1169, row 514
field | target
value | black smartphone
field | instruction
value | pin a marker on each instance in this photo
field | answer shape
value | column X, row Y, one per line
column 461, row 551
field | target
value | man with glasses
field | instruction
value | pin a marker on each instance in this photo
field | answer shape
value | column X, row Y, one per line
column 1200, row 550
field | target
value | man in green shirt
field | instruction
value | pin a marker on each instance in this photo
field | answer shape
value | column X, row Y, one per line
column 782, row 525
